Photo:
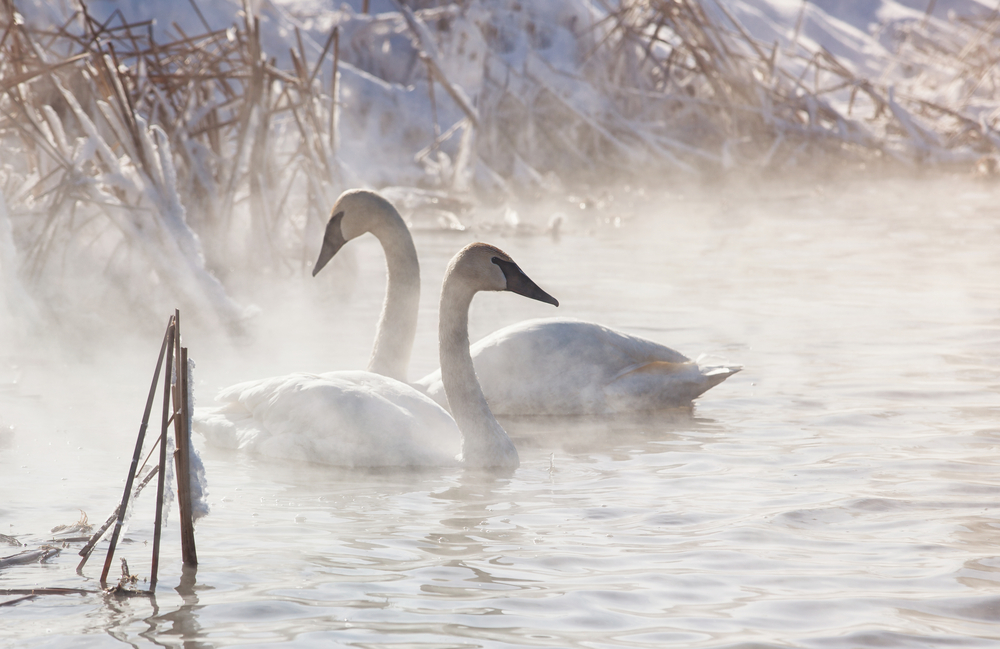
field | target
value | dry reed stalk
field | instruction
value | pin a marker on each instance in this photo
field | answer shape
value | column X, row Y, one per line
column 182, row 454
column 88, row 549
column 29, row 556
column 122, row 508
column 161, row 476
column 46, row 591
column 333, row 88
column 428, row 52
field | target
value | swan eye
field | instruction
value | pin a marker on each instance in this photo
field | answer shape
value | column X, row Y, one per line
column 505, row 266
column 518, row 282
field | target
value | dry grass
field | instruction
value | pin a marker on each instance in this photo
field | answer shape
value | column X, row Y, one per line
column 133, row 145
column 120, row 148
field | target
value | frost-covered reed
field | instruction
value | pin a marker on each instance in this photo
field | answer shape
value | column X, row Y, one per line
column 144, row 162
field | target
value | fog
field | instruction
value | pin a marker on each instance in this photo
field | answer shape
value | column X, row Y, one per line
column 807, row 190
column 165, row 157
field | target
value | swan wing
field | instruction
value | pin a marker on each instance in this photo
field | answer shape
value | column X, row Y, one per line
column 338, row 418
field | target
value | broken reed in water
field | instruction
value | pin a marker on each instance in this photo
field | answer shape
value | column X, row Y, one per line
column 176, row 410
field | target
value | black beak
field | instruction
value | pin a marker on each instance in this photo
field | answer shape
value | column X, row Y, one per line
column 521, row 284
column 333, row 241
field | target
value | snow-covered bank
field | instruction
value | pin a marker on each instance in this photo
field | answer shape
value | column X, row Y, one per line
column 165, row 147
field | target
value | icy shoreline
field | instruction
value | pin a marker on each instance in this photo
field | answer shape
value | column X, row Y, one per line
column 185, row 143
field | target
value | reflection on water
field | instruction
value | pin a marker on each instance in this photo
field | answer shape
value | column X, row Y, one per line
column 180, row 623
column 842, row 491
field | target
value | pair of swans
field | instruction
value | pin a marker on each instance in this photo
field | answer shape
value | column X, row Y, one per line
column 365, row 419
column 373, row 418
column 551, row 366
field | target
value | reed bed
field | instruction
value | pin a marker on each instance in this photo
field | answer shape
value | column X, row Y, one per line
column 136, row 154
column 681, row 85
column 162, row 165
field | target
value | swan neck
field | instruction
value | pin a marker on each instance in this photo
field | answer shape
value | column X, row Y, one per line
column 485, row 443
column 397, row 325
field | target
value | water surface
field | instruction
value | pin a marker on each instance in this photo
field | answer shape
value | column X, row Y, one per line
column 842, row 491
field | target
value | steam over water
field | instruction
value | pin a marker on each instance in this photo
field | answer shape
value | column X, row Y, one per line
column 842, row 491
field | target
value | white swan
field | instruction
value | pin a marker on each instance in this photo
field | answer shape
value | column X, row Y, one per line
column 355, row 213
column 366, row 419
column 558, row 366
column 539, row 367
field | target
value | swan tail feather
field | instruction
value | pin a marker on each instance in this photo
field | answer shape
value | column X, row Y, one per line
column 662, row 384
column 655, row 367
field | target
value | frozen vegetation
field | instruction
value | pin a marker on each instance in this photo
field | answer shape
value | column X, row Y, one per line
column 151, row 149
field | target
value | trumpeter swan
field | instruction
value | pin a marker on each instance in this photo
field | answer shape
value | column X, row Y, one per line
column 539, row 367
column 355, row 213
column 366, row 419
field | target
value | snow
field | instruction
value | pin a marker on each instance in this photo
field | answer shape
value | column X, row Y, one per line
column 392, row 111
column 196, row 467
column 490, row 101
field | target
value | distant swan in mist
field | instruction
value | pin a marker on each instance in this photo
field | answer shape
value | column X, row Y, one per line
column 539, row 367
column 366, row 419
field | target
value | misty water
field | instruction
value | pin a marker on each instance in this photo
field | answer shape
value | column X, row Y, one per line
column 842, row 491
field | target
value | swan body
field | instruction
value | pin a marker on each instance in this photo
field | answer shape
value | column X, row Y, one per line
column 358, row 418
column 558, row 366
column 349, row 418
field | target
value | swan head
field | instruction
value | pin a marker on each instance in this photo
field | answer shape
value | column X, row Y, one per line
column 356, row 212
column 333, row 241
column 482, row 267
